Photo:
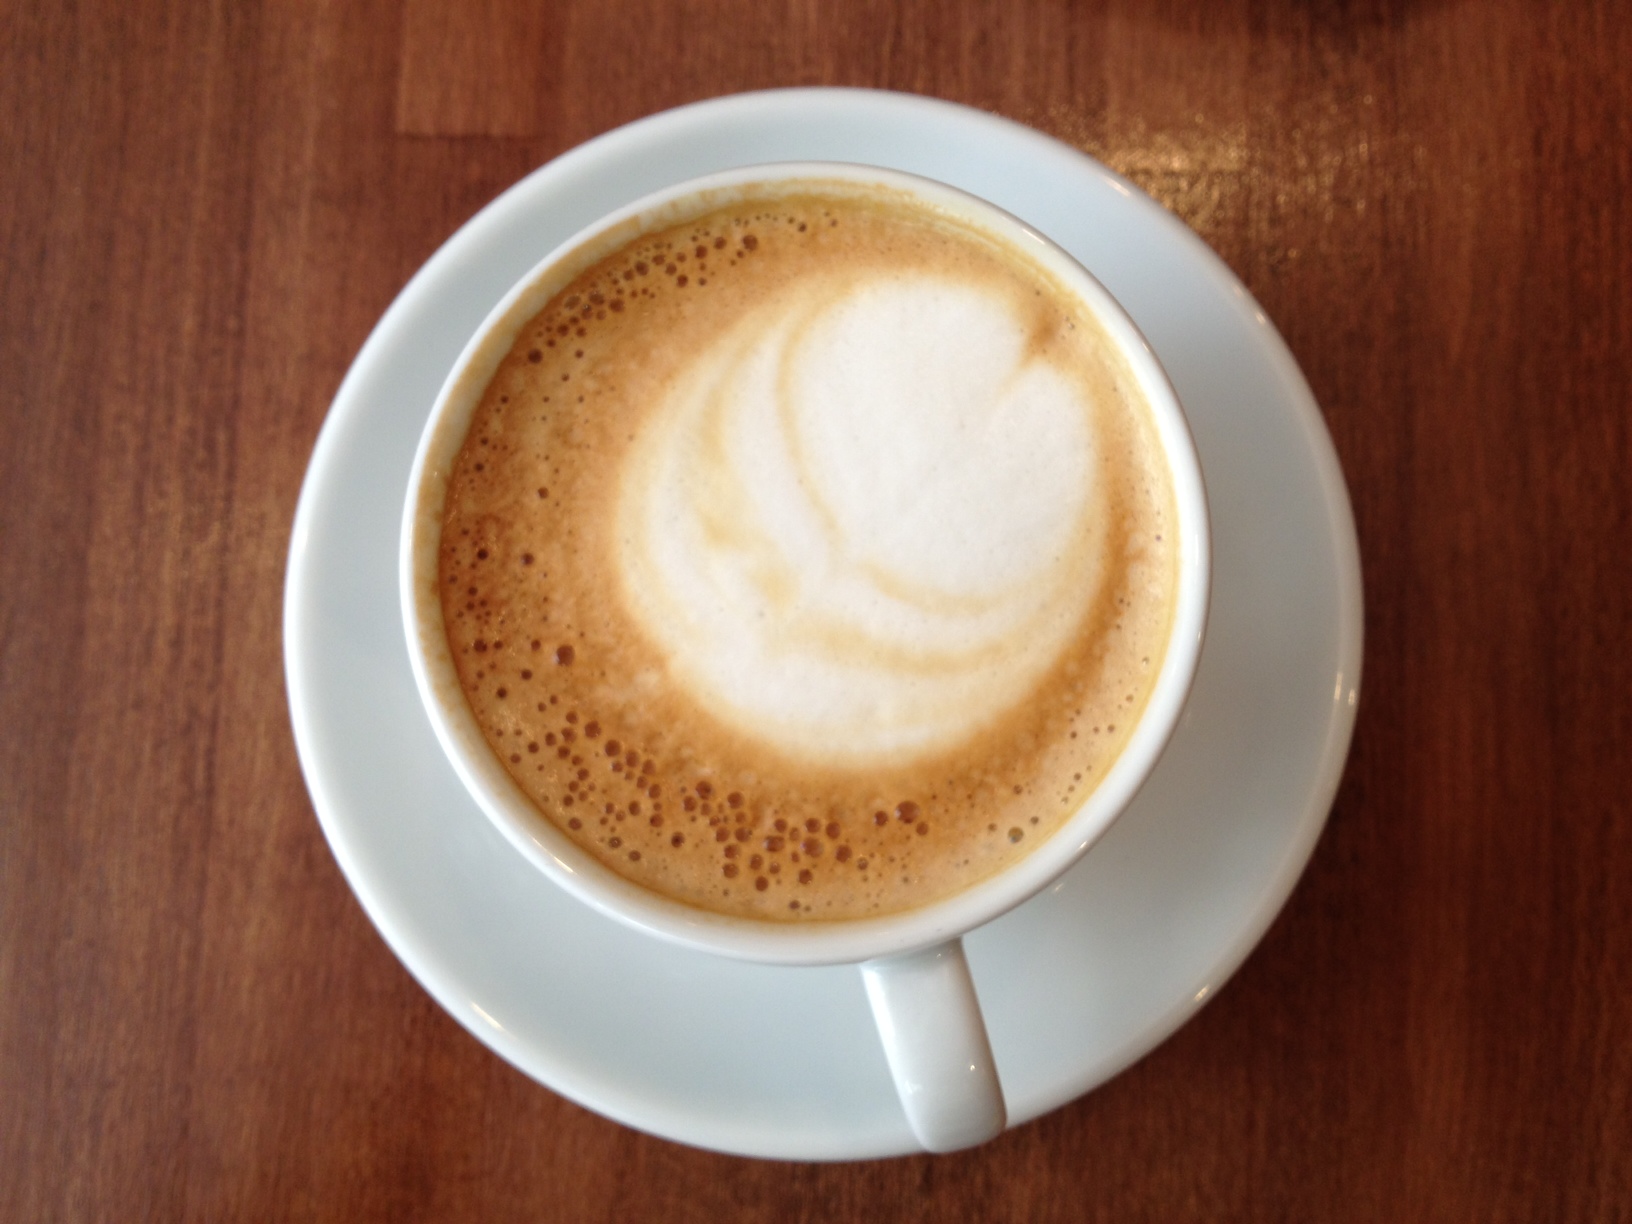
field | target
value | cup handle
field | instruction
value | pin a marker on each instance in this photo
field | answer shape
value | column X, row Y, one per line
column 935, row 1040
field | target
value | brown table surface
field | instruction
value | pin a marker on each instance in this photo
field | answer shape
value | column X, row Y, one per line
column 204, row 208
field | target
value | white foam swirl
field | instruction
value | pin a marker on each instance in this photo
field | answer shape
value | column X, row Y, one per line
column 864, row 522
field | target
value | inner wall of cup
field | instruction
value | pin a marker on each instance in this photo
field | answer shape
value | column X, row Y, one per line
column 555, row 854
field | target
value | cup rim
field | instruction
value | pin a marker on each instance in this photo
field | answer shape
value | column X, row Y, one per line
column 761, row 940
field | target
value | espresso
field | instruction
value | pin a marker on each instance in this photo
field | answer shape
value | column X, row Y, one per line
column 810, row 558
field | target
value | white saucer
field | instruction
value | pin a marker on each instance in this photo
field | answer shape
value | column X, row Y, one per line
column 1078, row 983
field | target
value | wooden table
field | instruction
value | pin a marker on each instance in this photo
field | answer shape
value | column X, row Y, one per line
column 205, row 208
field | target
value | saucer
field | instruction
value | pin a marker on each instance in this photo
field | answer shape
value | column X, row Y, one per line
column 785, row 1062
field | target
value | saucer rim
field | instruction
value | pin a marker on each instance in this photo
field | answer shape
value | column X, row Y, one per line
column 442, row 983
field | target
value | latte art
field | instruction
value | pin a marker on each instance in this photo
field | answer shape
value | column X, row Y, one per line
column 808, row 555
column 866, row 519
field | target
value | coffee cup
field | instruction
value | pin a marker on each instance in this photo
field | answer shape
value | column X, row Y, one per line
column 806, row 564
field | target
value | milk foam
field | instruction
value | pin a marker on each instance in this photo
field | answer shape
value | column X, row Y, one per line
column 809, row 558
column 866, row 519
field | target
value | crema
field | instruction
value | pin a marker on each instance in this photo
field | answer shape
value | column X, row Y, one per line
column 809, row 558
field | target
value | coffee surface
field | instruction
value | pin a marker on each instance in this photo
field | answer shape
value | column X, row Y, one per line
column 811, row 558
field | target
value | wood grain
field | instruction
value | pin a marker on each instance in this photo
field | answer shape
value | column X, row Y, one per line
column 205, row 207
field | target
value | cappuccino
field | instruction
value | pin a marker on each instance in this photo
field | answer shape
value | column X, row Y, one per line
column 810, row 554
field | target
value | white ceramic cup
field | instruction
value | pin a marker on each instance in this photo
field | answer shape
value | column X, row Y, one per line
column 912, row 963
